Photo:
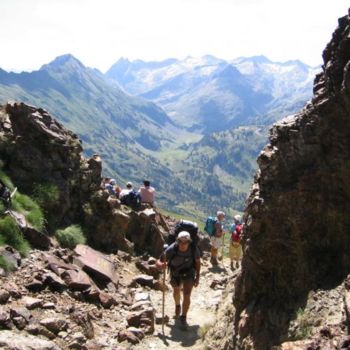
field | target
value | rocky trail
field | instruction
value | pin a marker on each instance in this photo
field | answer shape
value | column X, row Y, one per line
column 204, row 303
column 45, row 306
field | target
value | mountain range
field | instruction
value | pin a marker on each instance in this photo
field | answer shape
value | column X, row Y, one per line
column 194, row 127
column 199, row 92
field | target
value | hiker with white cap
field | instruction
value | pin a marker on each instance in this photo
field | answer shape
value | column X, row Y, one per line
column 126, row 191
column 235, row 251
column 216, row 238
column 184, row 265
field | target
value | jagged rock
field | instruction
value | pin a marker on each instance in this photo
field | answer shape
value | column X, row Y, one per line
column 32, row 303
column 76, row 280
column 296, row 237
column 35, row 286
column 144, row 280
column 54, row 282
column 36, row 238
column 106, row 300
column 13, row 341
column 95, row 263
column 84, row 320
column 142, row 316
column 132, row 335
column 146, row 267
column 4, row 296
column 54, row 324
column 5, row 320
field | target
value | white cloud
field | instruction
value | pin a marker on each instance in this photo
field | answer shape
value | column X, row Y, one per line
column 98, row 32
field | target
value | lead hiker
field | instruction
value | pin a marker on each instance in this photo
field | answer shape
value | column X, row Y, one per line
column 235, row 251
column 184, row 264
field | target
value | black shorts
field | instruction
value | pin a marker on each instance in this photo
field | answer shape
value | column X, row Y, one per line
column 177, row 279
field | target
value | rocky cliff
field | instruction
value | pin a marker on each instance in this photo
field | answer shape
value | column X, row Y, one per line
column 297, row 219
column 36, row 150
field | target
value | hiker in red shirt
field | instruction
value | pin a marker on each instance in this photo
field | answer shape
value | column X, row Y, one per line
column 235, row 251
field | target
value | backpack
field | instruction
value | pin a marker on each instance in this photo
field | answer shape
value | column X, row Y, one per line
column 5, row 194
column 132, row 199
column 185, row 225
column 236, row 233
column 209, row 227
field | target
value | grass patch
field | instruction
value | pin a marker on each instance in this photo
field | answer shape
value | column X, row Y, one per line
column 46, row 195
column 30, row 209
column 10, row 234
column 8, row 266
column 70, row 237
column 302, row 326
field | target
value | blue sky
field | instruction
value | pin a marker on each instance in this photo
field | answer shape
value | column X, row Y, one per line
column 99, row 32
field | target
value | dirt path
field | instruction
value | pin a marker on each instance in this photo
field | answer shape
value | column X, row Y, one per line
column 204, row 302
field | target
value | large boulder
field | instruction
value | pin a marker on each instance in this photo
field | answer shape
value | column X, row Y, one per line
column 37, row 150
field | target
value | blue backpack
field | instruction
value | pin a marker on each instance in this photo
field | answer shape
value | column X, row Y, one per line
column 209, row 227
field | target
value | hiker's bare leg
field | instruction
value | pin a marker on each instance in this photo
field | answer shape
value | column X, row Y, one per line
column 214, row 253
column 177, row 294
column 187, row 290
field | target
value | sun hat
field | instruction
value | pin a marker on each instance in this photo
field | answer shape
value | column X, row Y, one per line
column 184, row 235
column 238, row 218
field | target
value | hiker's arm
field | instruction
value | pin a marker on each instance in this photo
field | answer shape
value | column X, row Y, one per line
column 161, row 263
column 198, row 271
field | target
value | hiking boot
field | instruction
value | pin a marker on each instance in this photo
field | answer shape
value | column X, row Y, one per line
column 183, row 323
column 177, row 311
column 214, row 261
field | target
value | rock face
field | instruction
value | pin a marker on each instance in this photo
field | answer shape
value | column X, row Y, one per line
column 36, row 150
column 297, row 216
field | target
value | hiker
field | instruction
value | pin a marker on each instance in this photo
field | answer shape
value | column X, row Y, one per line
column 216, row 238
column 109, row 186
column 184, row 265
column 235, row 251
column 126, row 190
column 5, row 194
column 130, row 197
column 147, row 193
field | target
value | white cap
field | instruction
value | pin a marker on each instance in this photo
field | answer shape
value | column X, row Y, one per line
column 129, row 184
column 184, row 235
column 238, row 218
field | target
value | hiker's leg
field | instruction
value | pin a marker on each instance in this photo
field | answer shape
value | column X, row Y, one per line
column 187, row 290
column 177, row 294
column 214, row 255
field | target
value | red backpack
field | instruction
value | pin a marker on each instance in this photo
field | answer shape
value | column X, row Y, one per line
column 236, row 234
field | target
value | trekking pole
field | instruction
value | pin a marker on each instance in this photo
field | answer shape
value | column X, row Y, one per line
column 163, row 301
column 222, row 247
column 165, row 246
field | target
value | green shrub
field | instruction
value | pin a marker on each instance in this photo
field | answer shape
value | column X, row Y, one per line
column 8, row 266
column 46, row 195
column 70, row 237
column 29, row 209
column 10, row 234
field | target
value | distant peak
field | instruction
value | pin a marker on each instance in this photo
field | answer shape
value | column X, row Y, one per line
column 67, row 59
column 254, row 59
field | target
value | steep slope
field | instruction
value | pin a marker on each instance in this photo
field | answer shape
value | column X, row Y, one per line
column 209, row 94
column 120, row 128
column 131, row 135
column 296, row 240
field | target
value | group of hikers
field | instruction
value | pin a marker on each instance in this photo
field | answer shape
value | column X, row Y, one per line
column 182, row 257
column 128, row 195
